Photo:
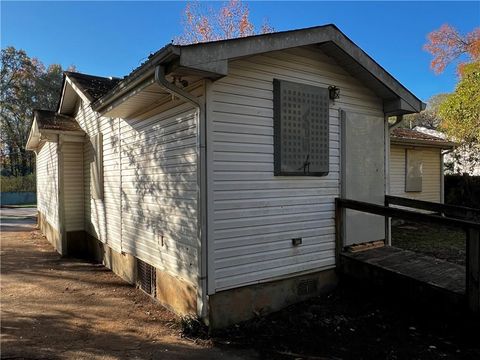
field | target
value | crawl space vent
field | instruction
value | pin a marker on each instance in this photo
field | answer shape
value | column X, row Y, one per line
column 146, row 277
column 307, row 287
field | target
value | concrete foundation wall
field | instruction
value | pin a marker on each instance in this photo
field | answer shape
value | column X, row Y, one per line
column 173, row 293
column 52, row 234
column 236, row 305
column 176, row 294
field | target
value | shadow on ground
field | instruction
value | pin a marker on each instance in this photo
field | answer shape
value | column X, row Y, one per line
column 59, row 308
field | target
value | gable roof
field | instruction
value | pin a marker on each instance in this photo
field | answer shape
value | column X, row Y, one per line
column 87, row 87
column 51, row 120
column 47, row 124
column 210, row 60
column 94, row 87
column 409, row 136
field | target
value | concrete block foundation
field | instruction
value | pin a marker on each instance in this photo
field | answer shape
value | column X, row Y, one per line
column 225, row 307
column 172, row 292
column 236, row 305
column 176, row 294
column 52, row 234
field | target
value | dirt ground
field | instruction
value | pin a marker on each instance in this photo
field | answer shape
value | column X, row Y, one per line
column 442, row 242
column 54, row 308
column 358, row 322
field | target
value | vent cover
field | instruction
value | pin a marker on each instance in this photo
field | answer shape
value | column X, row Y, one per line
column 301, row 127
column 307, row 287
column 146, row 277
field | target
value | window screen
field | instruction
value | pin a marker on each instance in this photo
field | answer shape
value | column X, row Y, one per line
column 301, row 129
column 413, row 171
column 96, row 167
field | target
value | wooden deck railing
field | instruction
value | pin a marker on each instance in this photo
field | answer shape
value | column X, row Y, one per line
column 454, row 211
column 465, row 219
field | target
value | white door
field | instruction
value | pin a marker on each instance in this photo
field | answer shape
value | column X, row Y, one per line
column 363, row 174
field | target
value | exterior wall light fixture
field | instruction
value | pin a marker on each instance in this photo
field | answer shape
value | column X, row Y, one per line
column 333, row 92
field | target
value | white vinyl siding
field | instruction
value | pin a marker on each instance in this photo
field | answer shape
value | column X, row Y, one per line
column 73, row 185
column 159, row 187
column 431, row 177
column 102, row 216
column 256, row 214
column 47, row 183
column 149, row 205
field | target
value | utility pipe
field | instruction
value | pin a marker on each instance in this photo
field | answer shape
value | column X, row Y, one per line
column 398, row 120
column 202, row 306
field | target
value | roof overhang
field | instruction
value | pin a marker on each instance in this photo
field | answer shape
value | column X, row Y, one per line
column 38, row 136
column 446, row 145
column 211, row 60
column 34, row 137
column 70, row 96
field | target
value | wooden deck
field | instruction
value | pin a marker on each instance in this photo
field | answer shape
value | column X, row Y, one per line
column 408, row 272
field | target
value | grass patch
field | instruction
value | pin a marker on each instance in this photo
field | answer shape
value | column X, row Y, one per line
column 439, row 241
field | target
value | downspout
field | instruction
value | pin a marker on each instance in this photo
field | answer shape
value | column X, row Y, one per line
column 61, row 197
column 386, row 171
column 388, row 221
column 202, row 304
column 399, row 119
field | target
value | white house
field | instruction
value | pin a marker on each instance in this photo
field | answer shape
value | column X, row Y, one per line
column 416, row 164
column 208, row 175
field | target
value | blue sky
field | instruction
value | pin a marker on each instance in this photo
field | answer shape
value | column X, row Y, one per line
column 112, row 38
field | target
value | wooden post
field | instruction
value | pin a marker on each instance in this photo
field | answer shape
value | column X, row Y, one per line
column 339, row 241
column 473, row 269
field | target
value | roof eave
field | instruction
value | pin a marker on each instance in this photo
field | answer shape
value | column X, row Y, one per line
column 423, row 143
column 165, row 55
column 33, row 137
column 212, row 58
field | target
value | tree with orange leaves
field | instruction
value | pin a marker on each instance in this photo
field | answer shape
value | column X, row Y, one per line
column 460, row 111
column 231, row 20
column 446, row 45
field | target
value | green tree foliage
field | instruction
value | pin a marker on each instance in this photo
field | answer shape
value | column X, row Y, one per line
column 460, row 113
column 25, row 84
column 17, row 183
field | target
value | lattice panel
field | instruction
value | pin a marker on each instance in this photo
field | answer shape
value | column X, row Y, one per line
column 301, row 115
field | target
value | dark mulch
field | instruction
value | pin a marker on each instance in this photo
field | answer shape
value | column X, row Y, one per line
column 443, row 242
column 357, row 322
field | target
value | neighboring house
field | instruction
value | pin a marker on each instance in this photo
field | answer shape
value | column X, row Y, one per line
column 458, row 161
column 416, row 164
column 208, row 175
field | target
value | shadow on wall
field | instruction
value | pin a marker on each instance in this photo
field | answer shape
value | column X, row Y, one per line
column 156, row 159
column 159, row 190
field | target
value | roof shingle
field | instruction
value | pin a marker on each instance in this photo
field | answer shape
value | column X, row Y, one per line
column 401, row 133
column 94, row 87
column 50, row 120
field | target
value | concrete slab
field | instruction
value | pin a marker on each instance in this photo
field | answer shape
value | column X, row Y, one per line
column 17, row 218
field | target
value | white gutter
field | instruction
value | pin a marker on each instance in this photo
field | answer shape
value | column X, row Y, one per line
column 202, row 301
column 137, row 77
